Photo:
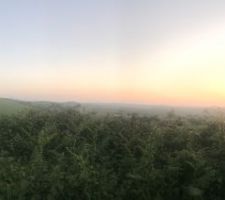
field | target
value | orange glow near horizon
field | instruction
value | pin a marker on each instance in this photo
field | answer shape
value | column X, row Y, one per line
column 189, row 70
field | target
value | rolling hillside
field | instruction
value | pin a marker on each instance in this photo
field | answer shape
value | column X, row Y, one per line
column 9, row 106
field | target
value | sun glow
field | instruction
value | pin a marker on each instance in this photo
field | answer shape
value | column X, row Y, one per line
column 175, row 58
column 188, row 71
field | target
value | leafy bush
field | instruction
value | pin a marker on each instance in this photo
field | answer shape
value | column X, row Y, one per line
column 63, row 154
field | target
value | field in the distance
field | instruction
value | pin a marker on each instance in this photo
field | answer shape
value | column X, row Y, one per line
column 11, row 106
column 8, row 106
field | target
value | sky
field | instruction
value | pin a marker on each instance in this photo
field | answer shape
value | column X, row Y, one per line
column 126, row 51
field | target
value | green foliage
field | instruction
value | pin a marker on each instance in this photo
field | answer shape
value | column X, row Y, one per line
column 64, row 154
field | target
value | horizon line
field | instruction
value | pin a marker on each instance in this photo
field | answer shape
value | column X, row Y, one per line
column 113, row 102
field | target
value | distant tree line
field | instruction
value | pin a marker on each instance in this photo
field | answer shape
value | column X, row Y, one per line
column 64, row 155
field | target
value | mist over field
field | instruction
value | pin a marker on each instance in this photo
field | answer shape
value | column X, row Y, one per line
column 12, row 106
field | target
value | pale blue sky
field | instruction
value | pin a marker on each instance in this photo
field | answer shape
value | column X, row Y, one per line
column 59, row 40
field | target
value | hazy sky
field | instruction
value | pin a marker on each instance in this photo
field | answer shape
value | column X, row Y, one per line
column 136, row 51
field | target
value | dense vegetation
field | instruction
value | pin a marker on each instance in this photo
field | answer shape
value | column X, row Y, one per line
column 64, row 154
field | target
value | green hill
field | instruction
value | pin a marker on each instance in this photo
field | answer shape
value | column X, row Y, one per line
column 9, row 106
